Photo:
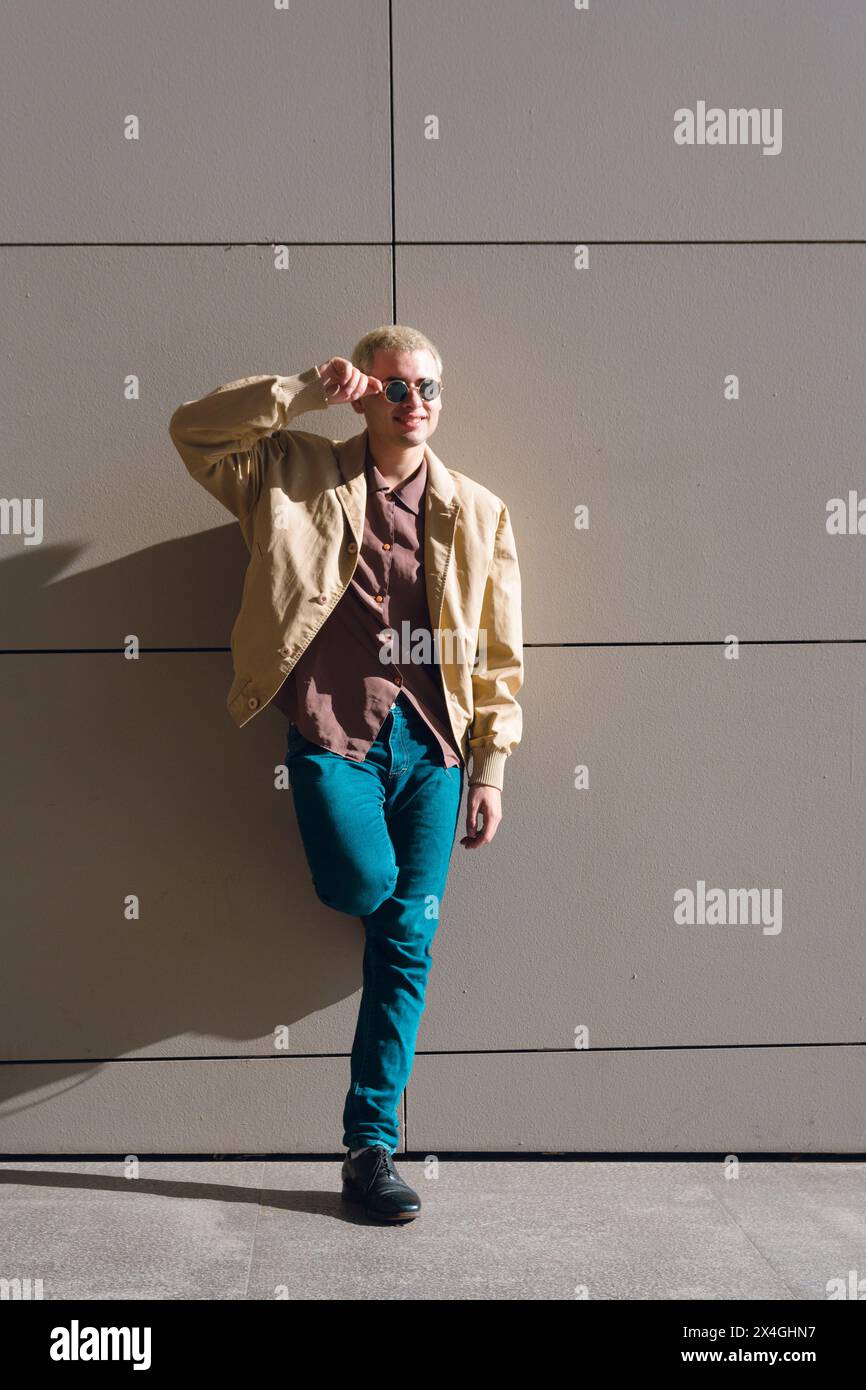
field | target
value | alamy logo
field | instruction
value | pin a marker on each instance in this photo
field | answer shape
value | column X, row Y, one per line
column 737, row 126
column 854, row 1287
column 846, row 519
column 728, row 907
column 22, row 516
column 20, row 1290
column 424, row 647
column 77, row 1343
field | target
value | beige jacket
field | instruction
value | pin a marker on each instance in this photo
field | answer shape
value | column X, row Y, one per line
column 293, row 493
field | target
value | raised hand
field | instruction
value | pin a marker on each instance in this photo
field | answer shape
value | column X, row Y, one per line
column 344, row 382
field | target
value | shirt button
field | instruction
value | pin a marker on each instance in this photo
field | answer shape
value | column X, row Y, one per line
column 386, row 545
column 380, row 598
column 253, row 701
column 352, row 547
column 398, row 680
column 323, row 598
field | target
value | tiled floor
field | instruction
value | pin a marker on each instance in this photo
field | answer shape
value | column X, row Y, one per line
column 488, row 1230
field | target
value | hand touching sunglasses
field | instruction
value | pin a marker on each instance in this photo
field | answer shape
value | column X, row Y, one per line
column 343, row 382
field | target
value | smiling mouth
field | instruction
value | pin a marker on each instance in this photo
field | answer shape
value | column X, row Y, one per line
column 411, row 419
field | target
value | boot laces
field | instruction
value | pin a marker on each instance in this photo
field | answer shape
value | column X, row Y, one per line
column 386, row 1160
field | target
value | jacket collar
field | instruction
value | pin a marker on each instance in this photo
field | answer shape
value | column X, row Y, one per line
column 352, row 456
column 440, row 514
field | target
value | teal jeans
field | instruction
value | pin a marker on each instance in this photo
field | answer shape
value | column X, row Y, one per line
column 378, row 837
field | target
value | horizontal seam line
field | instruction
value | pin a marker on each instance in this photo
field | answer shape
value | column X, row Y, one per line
column 444, row 1052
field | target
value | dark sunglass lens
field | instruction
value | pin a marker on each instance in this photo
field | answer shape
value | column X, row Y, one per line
column 395, row 391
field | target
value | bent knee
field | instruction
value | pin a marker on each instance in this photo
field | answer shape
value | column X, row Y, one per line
column 358, row 899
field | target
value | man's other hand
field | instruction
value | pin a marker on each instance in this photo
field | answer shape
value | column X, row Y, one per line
column 483, row 802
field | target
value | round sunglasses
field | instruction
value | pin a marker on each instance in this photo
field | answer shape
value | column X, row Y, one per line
column 397, row 390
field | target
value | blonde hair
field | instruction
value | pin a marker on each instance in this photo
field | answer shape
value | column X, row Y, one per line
column 395, row 337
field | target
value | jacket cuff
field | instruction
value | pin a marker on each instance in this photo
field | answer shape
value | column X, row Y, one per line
column 488, row 767
column 305, row 391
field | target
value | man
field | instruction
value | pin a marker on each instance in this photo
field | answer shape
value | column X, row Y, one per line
column 381, row 613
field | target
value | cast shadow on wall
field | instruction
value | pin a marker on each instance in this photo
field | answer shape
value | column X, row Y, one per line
column 129, row 777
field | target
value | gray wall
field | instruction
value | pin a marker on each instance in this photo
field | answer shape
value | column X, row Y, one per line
column 601, row 386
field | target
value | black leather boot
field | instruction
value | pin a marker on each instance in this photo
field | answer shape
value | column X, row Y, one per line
column 372, row 1179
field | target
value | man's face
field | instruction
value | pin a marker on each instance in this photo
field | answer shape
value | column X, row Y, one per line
column 414, row 419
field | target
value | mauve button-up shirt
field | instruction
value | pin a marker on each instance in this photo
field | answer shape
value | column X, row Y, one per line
column 339, row 692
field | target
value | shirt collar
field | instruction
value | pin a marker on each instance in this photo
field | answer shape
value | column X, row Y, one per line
column 409, row 493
